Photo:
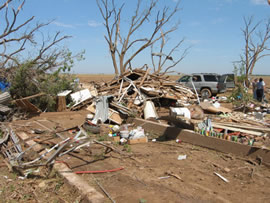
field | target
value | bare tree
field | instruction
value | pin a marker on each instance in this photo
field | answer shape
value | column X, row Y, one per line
column 18, row 39
column 161, row 63
column 120, row 44
column 256, row 43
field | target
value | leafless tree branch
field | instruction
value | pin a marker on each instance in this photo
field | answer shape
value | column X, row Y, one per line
column 256, row 43
column 121, row 45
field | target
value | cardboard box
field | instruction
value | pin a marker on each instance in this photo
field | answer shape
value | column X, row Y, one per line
column 116, row 139
column 137, row 141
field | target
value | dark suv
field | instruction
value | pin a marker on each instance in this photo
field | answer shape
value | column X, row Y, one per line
column 206, row 84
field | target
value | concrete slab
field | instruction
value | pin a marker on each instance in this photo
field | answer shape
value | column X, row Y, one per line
column 89, row 193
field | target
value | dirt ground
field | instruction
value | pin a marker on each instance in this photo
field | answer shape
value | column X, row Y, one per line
column 34, row 189
column 146, row 175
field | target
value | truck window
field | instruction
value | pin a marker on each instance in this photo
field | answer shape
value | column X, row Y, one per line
column 230, row 78
column 210, row 78
column 222, row 78
column 184, row 78
column 196, row 78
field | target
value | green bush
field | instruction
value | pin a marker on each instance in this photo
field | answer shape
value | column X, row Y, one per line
column 29, row 81
column 240, row 95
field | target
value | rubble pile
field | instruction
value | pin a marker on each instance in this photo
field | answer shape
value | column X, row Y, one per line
column 107, row 108
column 136, row 90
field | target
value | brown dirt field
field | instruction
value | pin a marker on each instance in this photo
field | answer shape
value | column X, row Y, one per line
column 86, row 78
column 34, row 189
column 140, row 179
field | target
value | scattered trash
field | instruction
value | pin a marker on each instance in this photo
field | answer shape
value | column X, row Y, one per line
column 180, row 112
column 178, row 141
column 164, row 177
column 123, row 140
column 220, row 176
column 137, row 133
column 182, row 157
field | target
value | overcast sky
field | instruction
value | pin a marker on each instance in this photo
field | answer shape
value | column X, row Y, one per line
column 211, row 27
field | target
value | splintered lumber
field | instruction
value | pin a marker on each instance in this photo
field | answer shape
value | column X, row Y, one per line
column 5, row 98
column 209, row 107
column 140, row 85
column 247, row 127
column 4, row 109
column 33, row 96
column 121, row 107
column 26, row 105
column 115, row 117
column 251, row 132
column 136, row 93
column 30, row 143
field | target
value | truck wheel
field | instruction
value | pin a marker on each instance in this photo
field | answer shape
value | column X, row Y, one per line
column 206, row 93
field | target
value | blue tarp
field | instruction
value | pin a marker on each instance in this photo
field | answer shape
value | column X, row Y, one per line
column 4, row 86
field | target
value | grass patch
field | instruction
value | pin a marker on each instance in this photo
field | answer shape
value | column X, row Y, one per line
column 127, row 148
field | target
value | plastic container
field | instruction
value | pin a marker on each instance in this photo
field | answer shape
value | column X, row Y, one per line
column 137, row 133
column 149, row 110
column 124, row 134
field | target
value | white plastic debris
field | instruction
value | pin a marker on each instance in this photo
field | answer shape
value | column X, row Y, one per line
column 64, row 93
column 124, row 133
column 123, row 140
column 80, row 96
column 116, row 128
column 150, row 110
column 90, row 116
column 216, row 105
column 181, row 112
column 182, row 157
column 137, row 133
column 221, row 177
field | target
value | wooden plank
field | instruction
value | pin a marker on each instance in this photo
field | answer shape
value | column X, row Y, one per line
column 138, row 87
column 4, row 109
column 5, row 98
column 61, row 103
column 23, row 136
column 238, row 129
column 26, row 105
column 209, row 107
column 115, row 117
column 240, row 125
column 31, row 97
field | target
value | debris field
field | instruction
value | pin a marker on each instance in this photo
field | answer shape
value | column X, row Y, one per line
column 96, row 137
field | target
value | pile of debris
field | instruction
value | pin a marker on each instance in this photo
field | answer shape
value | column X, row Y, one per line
column 138, row 94
column 135, row 93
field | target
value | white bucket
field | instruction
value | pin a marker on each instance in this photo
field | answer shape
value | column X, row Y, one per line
column 149, row 110
column 124, row 133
